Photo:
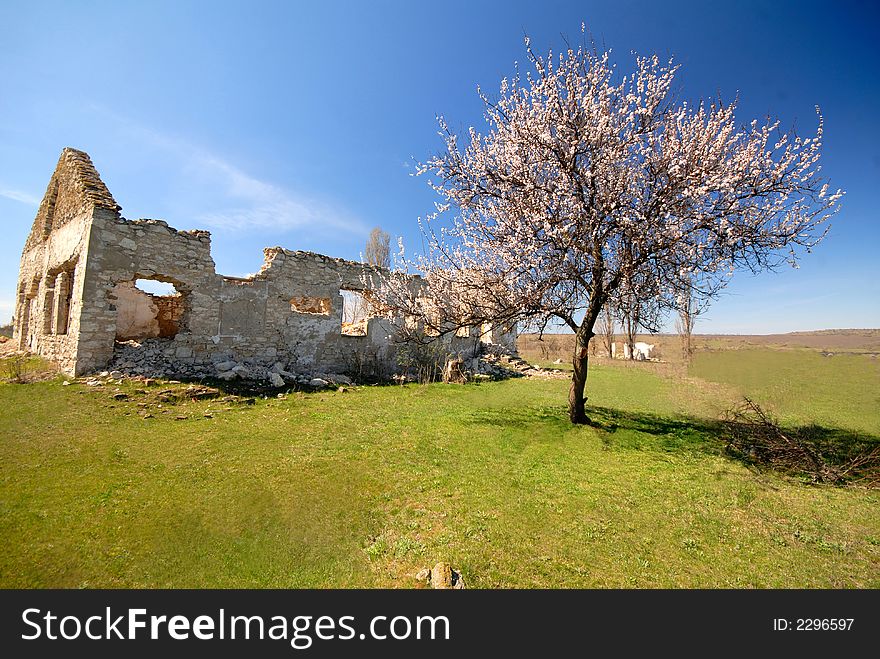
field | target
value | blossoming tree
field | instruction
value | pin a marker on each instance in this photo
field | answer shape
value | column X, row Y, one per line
column 586, row 184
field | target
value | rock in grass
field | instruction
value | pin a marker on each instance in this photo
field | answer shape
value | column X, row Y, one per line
column 441, row 576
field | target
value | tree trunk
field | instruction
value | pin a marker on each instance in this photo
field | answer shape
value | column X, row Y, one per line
column 576, row 399
column 581, row 358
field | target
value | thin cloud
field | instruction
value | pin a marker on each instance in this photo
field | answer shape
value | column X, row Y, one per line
column 238, row 201
column 18, row 195
column 264, row 205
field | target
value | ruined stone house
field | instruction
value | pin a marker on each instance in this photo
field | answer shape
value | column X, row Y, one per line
column 78, row 304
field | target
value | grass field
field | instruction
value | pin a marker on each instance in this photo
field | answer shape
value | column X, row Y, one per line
column 804, row 386
column 364, row 488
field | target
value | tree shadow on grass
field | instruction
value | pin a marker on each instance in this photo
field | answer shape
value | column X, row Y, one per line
column 836, row 445
column 521, row 418
column 645, row 431
column 684, row 435
column 618, row 429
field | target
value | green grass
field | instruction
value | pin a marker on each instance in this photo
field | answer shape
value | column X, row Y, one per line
column 363, row 488
column 25, row 368
column 802, row 386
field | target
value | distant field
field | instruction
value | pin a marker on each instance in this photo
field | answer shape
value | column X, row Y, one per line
column 857, row 341
column 366, row 487
column 668, row 346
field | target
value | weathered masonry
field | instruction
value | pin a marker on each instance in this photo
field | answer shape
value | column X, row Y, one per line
column 78, row 303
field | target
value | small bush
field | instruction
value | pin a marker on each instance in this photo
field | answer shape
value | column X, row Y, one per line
column 425, row 361
column 376, row 548
column 21, row 367
column 454, row 371
column 364, row 366
column 15, row 368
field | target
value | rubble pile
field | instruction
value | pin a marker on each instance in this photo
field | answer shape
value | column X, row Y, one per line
column 500, row 362
column 155, row 358
column 158, row 358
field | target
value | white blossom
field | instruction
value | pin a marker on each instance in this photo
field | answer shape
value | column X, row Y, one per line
column 586, row 188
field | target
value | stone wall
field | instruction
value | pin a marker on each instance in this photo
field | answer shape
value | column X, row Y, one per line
column 81, row 261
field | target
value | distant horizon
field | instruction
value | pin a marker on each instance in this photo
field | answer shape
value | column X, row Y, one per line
column 816, row 331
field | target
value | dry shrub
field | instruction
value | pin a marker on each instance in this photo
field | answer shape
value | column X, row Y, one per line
column 15, row 368
column 826, row 456
column 364, row 366
column 423, row 361
column 454, row 371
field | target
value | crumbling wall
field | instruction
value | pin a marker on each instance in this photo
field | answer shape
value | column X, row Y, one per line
column 288, row 316
column 122, row 251
column 141, row 315
column 77, row 297
column 291, row 311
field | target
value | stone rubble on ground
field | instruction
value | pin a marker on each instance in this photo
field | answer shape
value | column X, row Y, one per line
column 151, row 359
column 155, row 358
column 500, row 362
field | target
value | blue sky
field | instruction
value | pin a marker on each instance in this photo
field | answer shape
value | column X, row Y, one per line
column 296, row 124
